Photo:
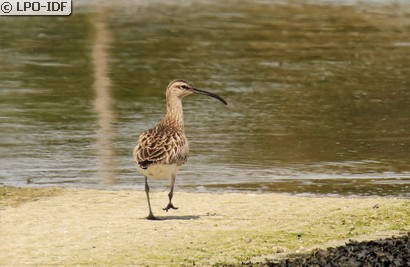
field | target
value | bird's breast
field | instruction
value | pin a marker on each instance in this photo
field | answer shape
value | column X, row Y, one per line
column 159, row 171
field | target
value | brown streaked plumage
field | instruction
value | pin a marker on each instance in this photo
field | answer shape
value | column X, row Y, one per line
column 162, row 150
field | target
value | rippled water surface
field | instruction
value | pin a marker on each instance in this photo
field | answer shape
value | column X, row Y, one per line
column 318, row 94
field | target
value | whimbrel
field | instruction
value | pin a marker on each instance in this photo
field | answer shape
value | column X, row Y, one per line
column 162, row 150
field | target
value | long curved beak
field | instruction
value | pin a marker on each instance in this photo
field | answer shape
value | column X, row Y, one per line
column 202, row 92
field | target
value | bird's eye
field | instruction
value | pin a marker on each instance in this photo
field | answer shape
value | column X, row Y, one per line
column 184, row 87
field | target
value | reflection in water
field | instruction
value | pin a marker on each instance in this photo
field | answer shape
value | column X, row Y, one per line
column 316, row 90
column 107, row 158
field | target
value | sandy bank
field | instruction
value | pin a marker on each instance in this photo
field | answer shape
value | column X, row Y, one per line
column 76, row 226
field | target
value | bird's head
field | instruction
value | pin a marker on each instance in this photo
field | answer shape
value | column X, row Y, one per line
column 181, row 88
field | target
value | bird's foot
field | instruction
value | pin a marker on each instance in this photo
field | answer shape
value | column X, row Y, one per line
column 152, row 217
column 170, row 206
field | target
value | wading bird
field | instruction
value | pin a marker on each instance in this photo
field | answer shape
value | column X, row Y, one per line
column 162, row 150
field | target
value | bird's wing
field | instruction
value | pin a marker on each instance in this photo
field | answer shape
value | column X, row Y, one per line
column 161, row 146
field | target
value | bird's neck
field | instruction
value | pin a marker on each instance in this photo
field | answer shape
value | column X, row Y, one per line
column 175, row 113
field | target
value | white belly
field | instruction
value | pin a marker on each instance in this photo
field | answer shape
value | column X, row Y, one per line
column 159, row 171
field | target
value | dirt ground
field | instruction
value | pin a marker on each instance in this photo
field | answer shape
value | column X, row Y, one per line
column 48, row 227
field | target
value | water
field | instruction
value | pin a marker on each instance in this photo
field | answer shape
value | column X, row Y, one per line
column 318, row 94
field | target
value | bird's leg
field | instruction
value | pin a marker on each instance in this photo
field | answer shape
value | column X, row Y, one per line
column 171, row 194
column 150, row 215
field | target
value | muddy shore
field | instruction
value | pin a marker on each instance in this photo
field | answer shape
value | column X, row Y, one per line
column 99, row 227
